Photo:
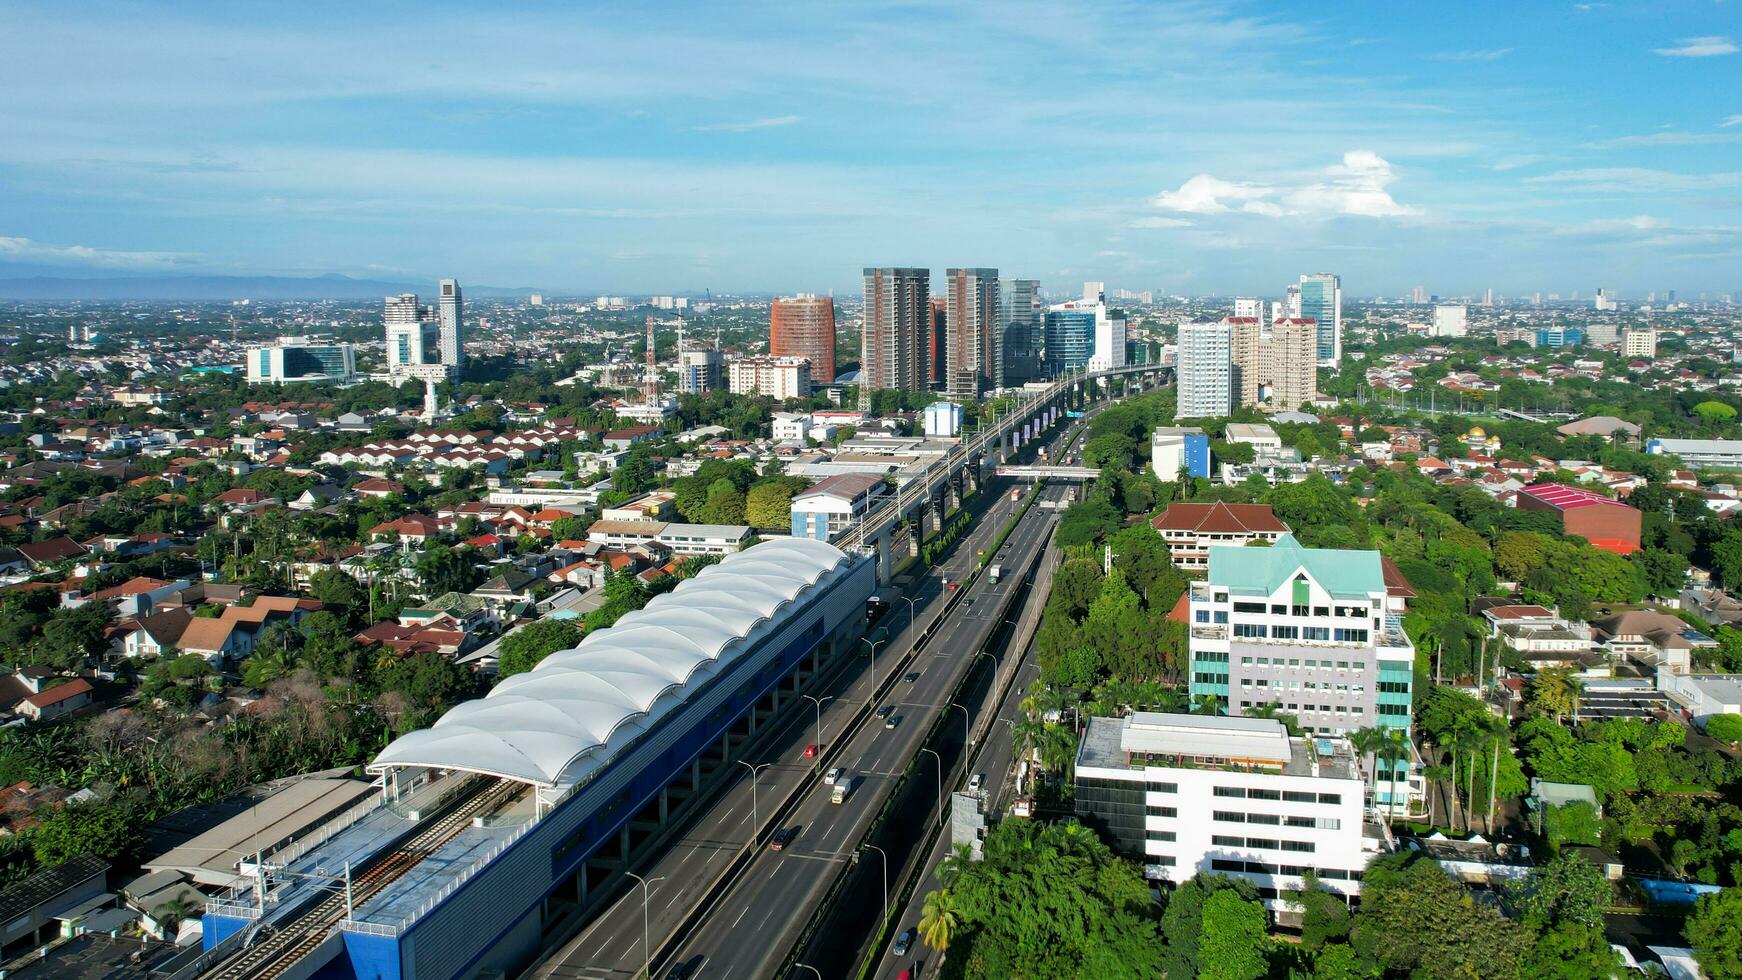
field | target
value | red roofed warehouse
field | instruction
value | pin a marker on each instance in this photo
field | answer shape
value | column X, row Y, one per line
column 1191, row 529
column 1606, row 523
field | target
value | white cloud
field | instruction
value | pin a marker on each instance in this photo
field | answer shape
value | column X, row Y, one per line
column 1709, row 46
column 26, row 250
column 1357, row 186
column 1489, row 54
column 1735, row 120
column 1161, row 223
column 771, row 122
column 1629, row 180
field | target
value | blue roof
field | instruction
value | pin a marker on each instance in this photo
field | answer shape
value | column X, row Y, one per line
column 1261, row 571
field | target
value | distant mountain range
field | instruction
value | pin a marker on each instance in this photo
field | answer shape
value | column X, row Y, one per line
column 224, row 288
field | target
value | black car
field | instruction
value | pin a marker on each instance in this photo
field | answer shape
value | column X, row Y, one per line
column 781, row 838
column 910, row 678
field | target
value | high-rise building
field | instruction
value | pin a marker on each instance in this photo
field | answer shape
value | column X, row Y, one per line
column 804, row 326
column 1314, row 630
column 1248, row 308
column 1419, row 295
column 1451, row 320
column 1275, row 364
column 976, row 354
column 1639, row 342
column 779, row 378
column 897, row 304
column 413, row 339
column 698, row 371
column 452, row 311
column 295, row 359
column 937, row 344
column 1070, row 339
column 1206, row 370
column 1021, row 316
column 537, row 299
column 1321, row 300
column 1488, row 296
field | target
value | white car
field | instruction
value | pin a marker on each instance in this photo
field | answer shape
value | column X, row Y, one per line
column 833, row 776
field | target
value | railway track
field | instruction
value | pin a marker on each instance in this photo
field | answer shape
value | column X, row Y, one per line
column 276, row 954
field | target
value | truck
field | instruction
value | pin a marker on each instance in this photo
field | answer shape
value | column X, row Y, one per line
column 994, row 572
column 843, row 786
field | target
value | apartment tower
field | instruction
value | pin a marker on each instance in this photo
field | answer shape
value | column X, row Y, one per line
column 897, row 307
column 976, row 359
column 804, row 326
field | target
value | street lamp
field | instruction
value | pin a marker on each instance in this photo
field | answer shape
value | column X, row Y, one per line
column 819, row 704
column 885, row 857
column 909, row 600
column 873, row 652
column 646, row 940
column 967, row 737
column 755, row 816
column 807, row 966
column 940, row 760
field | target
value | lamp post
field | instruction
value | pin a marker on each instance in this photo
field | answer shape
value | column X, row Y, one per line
column 873, row 652
column 819, row 703
column 807, row 966
column 885, row 862
column 967, row 737
column 940, row 781
column 909, row 600
column 646, row 937
column 755, row 816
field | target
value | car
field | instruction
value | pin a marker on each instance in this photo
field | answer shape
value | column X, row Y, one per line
column 910, row 678
column 903, row 943
column 892, row 721
column 886, row 711
column 978, row 781
column 810, row 751
column 781, row 838
column 833, row 776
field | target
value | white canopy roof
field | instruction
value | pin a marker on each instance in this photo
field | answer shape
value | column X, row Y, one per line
column 568, row 716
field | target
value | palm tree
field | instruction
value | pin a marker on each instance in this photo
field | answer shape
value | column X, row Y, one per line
column 1025, row 735
column 1395, row 748
column 1434, row 774
column 938, row 919
column 951, row 868
column 1367, row 741
column 1208, row 704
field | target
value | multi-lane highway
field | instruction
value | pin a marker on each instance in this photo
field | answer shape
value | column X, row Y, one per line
column 613, row 944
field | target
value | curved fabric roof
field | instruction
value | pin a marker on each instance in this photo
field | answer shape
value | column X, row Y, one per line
column 568, row 716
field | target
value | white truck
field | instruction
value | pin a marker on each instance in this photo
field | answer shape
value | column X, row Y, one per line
column 843, row 786
column 994, row 573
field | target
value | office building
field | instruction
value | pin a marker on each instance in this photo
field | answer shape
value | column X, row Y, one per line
column 1554, row 338
column 1176, row 448
column 897, row 308
column 943, row 420
column 1450, row 320
column 413, row 340
column 1185, row 794
column 1206, row 370
column 1639, row 342
column 1021, row 315
column 1070, row 340
column 1110, row 341
column 976, row 357
column 1313, row 630
column 779, row 378
column 1275, row 363
column 451, row 312
column 698, row 371
column 295, row 359
column 1604, row 302
column 804, row 326
column 834, row 504
column 1321, row 300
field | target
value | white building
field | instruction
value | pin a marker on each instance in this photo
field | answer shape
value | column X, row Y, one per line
column 1451, row 320
column 295, row 359
column 450, row 315
column 1235, row 796
column 791, row 426
column 1639, row 343
column 1244, row 308
column 415, row 337
column 1206, row 370
column 834, row 504
column 775, row 377
column 698, row 371
column 943, row 420
column 1257, row 435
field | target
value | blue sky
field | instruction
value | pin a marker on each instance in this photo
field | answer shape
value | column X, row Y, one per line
column 1197, row 147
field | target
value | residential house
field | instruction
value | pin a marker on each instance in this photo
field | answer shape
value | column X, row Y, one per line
column 151, row 635
column 57, row 701
column 1651, row 639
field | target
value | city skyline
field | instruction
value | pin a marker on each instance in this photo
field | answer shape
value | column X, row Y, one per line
column 690, row 148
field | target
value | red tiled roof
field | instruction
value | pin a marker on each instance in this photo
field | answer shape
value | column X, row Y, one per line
column 1563, row 497
column 1220, row 518
column 61, row 692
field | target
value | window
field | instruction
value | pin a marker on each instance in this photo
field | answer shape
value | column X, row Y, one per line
column 1232, row 792
column 1221, row 617
column 1164, row 787
column 1286, row 632
column 1203, row 615
column 1263, row 794
column 1221, row 841
column 1249, row 607
column 1264, row 818
column 1300, row 611
column 1161, row 835
column 1321, row 610
column 1302, row 846
column 1278, row 609
column 1165, row 860
column 1320, row 633
column 1334, row 799
column 1251, row 631
column 1161, row 811
column 1263, row 842
column 1393, row 687
column 1229, row 816
column 1394, row 709
column 1351, row 636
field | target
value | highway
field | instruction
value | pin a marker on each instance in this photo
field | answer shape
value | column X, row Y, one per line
column 612, row 945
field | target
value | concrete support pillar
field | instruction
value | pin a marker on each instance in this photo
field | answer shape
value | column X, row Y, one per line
column 726, row 744
column 623, row 844
column 664, row 806
column 885, row 571
column 581, row 885
column 752, row 717
column 696, row 775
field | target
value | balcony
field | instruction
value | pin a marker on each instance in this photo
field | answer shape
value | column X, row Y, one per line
column 1206, row 632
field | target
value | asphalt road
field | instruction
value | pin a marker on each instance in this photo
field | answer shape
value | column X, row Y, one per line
column 612, row 944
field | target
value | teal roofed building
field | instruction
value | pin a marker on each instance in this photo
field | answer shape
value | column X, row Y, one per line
column 1316, row 632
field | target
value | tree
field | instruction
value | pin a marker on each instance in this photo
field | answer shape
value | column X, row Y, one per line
column 1714, row 413
column 104, row 830
column 1567, row 889
column 725, row 504
column 938, row 919
column 1324, row 915
column 1725, row 728
column 443, row 570
column 1415, row 919
column 769, row 503
column 1182, row 923
column 1086, row 523
column 1571, row 951
column 1554, row 692
column 1233, row 943
column 522, row 649
column 1665, row 572
column 1714, row 930
column 1572, row 823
